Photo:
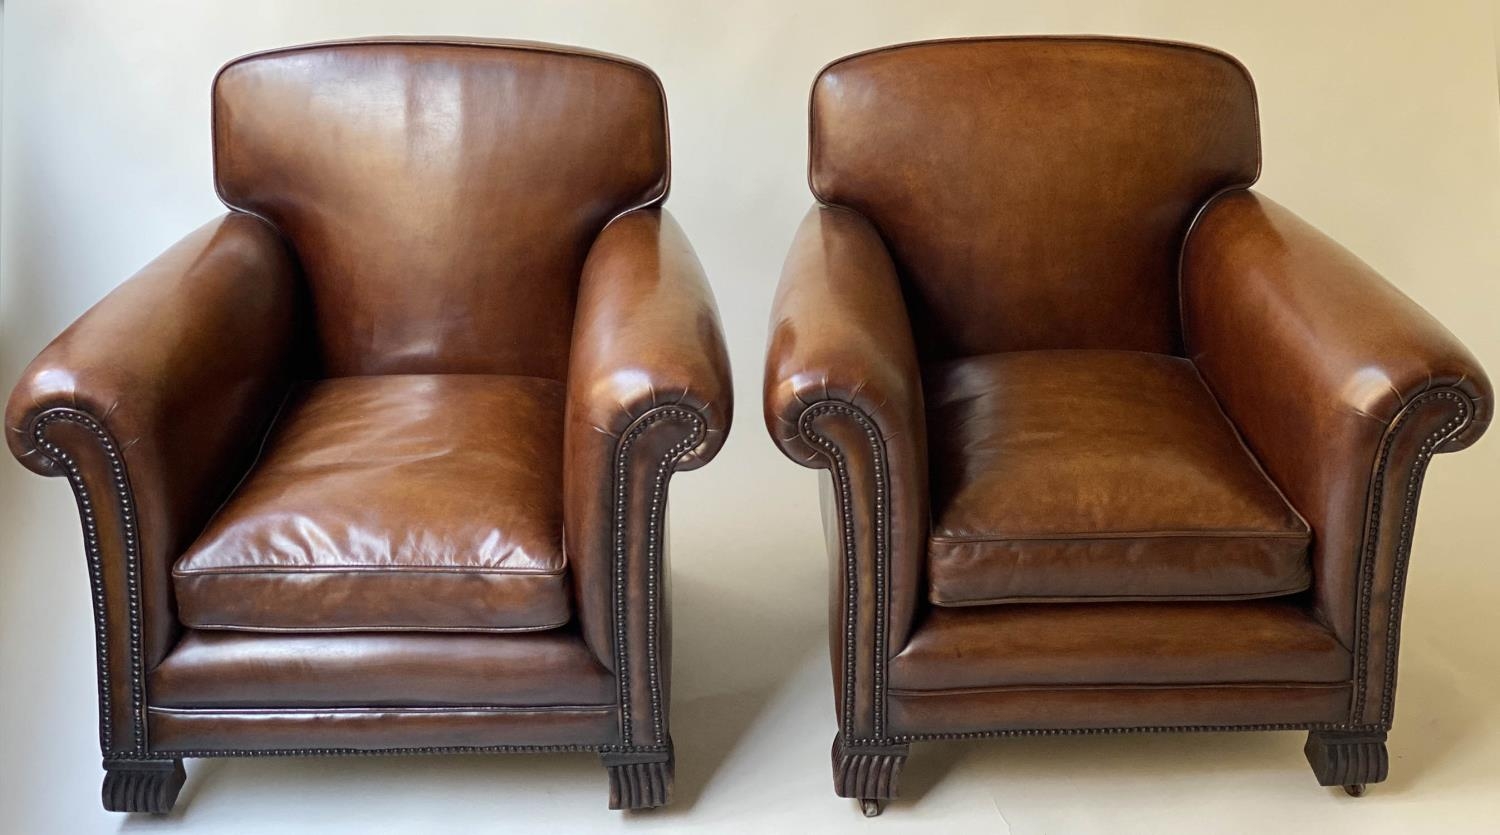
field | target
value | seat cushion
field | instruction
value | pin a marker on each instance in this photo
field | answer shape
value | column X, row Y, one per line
column 1098, row 475
column 409, row 502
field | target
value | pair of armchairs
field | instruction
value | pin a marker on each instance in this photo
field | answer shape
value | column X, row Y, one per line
column 378, row 461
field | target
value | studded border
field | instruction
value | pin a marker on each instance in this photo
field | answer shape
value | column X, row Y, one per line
column 656, row 526
column 1370, row 555
column 1429, row 447
column 1135, row 729
column 882, row 555
column 125, row 505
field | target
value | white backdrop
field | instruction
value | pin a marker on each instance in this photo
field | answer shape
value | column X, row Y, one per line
column 1380, row 125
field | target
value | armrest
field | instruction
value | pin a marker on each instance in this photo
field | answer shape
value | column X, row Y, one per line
column 152, row 404
column 843, row 392
column 1343, row 387
column 649, row 392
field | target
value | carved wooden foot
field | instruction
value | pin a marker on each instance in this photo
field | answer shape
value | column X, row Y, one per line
column 142, row 785
column 639, row 779
column 868, row 772
column 1348, row 759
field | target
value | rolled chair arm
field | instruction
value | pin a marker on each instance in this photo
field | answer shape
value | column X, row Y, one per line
column 649, row 393
column 843, row 392
column 152, row 404
column 1344, row 388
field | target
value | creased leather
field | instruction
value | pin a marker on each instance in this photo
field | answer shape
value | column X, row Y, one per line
column 1034, row 191
column 398, row 502
column 1097, row 475
column 442, row 196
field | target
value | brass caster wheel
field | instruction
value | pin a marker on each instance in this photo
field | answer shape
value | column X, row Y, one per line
column 871, row 806
column 1355, row 790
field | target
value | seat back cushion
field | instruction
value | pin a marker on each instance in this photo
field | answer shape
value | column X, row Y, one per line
column 1034, row 192
column 441, row 196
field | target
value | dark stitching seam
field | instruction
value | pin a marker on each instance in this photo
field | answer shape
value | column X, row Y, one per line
column 882, row 561
column 655, row 527
column 96, row 572
column 1403, row 548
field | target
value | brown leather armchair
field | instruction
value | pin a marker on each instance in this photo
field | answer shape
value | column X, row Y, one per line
column 377, row 462
column 1111, row 442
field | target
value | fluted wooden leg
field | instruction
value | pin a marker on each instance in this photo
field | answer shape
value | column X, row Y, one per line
column 639, row 780
column 868, row 772
column 1348, row 759
column 142, row 785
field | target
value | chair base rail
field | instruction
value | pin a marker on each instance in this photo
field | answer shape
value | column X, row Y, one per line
column 149, row 786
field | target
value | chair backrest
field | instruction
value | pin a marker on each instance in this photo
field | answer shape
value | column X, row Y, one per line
column 441, row 195
column 1034, row 192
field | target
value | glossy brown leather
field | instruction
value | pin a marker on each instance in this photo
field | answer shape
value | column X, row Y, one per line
column 1340, row 384
column 1121, row 708
column 1034, row 191
column 403, row 502
column 506, row 351
column 216, row 669
column 1007, row 209
column 1041, row 645
column 335, row 731
column 649, row 393
column 1039, row 460
column 441, row 196
column 183, row 367
column 843, row 392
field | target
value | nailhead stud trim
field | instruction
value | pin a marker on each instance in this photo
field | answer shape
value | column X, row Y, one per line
column 882, row 554
column 1429, row 447
column 86, row 511
column 656, row 526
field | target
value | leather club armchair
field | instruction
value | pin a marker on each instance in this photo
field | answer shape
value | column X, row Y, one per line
column 377, row 462
column 1111, row 442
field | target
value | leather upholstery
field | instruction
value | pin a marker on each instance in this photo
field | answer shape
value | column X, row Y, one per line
column 979, row 335
column 407, row 502
column 1338, row 353
column 1053, row 645
column 1038, row 463
column 493, row 349
column 181, row 368
column 441, row 196
column 1038, row 200
column 209, row 670
column 649, row 392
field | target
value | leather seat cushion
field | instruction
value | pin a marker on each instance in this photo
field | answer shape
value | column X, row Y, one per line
column 412, row 502
column 1073, row 476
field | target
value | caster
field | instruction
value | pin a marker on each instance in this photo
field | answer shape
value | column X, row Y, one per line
column 871, row 806
column 1355, row 789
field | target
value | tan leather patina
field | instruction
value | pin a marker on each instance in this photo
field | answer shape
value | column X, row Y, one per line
column 1113, row 442
column 378, row 461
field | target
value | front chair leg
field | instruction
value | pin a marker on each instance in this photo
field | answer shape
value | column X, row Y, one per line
column 639, row 779
column 1350, row 759
column 142, row 785
column 869, row 772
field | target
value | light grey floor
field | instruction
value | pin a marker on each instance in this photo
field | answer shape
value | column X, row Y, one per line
column 753, row 717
